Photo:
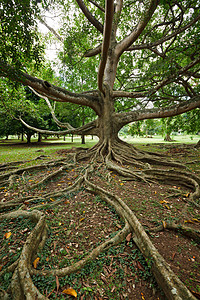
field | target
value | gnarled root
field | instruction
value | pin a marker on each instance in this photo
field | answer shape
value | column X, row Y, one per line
column 167, row 280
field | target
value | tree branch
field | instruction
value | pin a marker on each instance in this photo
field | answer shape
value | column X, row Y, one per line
column 51, row 29
column 167, row 80
column 128, row 40
column 89, row 128
column 106, row 41
column 164, row 38
column 161, row 112
column 60, row 124
column 89, row 16
column 46, row 89
column 93, row 52
column 97, row 5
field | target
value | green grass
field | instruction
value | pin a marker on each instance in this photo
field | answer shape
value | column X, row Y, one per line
column 178, row 139
column 10, row 151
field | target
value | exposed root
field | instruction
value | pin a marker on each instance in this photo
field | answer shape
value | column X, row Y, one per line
column 118, row 238
column 22, row 286
column 184, row 230
column 168, row 281
column 114, row 156
column 51, row 176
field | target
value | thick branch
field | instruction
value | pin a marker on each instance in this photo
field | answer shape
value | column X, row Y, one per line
column 48, row 90
column 154, row 113
column 127, row 41
column 89, row 128
column 89, row 16
column 106, row 41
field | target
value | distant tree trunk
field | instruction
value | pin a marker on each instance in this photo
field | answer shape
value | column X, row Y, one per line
column 168, row 138
column 39, row 137
column 28, row 137
column 64, row 138
column 82, row 139
column 72, row 138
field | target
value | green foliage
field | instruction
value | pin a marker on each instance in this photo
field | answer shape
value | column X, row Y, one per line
column 18, row 28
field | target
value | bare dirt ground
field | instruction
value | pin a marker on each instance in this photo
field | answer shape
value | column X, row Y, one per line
column 78, row 221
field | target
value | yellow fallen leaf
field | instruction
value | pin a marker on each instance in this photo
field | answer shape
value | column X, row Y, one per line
column 167, row 206
column 82, row 219
column 52, row 199
column 59, row 223
column 163, row 201
column 36, row 262
column 164, row 224
column 7, row 235
column 71, row 292
column 196, row 220
column 189, row 221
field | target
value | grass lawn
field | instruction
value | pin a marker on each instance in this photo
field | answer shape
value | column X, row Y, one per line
column 14, row 150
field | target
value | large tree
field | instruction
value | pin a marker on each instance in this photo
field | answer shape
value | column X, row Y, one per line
column 146, row 65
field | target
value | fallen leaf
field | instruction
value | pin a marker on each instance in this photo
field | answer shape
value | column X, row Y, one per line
column 1, row 268
column 196, row 220
column 164, row 224
column 189, row 221
column 140, row 266
column 52, row 199
column 82, row 219
column 57, row 283
column 7, row 235
column 128, row 238
column 70, row 291
column 163, row 201
column 118, row 226
column 173, row 255
column 36, row 262
column 167, row 206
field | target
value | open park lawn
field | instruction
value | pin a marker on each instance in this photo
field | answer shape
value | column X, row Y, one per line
column 78, row 220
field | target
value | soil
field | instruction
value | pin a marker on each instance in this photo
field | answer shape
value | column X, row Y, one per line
column 81, row 221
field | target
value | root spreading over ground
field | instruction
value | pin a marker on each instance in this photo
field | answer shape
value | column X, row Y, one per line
column 95, row 223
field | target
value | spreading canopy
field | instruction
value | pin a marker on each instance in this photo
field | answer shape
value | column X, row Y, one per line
column 149, row 57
